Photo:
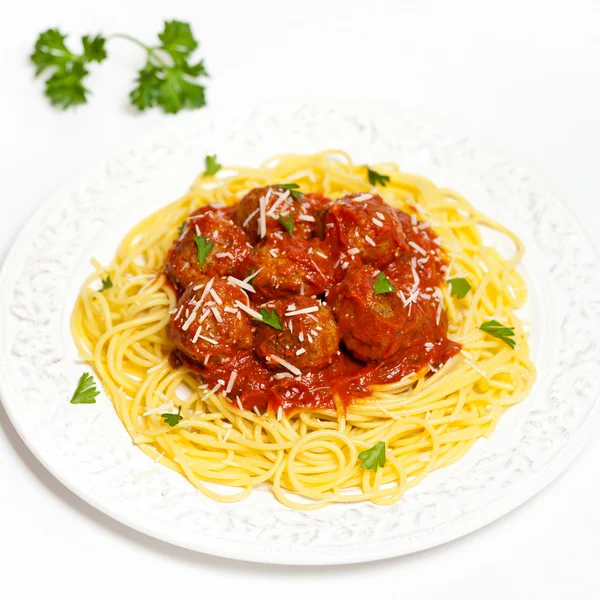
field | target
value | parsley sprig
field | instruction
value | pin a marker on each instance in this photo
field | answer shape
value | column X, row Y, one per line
column 459, row 287
column 376, row 178
column 85, row 392
column 288, row 223
column 497, row 330
column 168, row 79
column 382, row 284
column 204, row 247
column 373, row 457
column 172, row 419
column 270, row 318
column 293, row 188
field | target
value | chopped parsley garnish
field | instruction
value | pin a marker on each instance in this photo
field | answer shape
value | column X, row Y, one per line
column 270, row 318
column 292, row 187
column 204, row 247
column 211, row 165
column 382, row 284
column 374, row 457
column 288, row 223
column 85, row 392
column 376, row 178
column 499, row 331
column 181, row 227
column 168, row 79
column 106, row 283
column 459, row 287
column 172, row 419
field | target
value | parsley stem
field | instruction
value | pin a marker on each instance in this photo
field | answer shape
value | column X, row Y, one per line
column 124, row 36
column 151, row 51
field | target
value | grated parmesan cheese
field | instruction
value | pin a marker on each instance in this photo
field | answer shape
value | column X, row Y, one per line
column 216, row 297
column 302, row 311
column 249, row 310
column 217, row 314
column 417, row 248
column 231, row 381
column 211, row 392
column 362, row 198
column 239, row 283
column 262, row 219
column 286, row 364
column 249, row 218
column 253, row 275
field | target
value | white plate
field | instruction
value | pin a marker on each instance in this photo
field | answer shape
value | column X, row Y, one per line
column 88, row 449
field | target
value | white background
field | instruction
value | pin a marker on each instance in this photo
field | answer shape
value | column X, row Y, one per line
column 524, row 74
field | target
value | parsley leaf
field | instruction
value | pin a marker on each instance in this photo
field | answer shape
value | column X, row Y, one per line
column 292, row 187
column 373, row 457
column 459, row 287
column 170, row 83
column 145, row 95
column 497, row 330
column 203, row 247
column 65, row 86
column 106, row 283
column 178, row 39
column 288, row 223
column 94, row 48
column 376, row 178
column 382, row 284
column 271, row 318
column 85, row 392
column 50, row 51
column 212, row 166
column 172, row 419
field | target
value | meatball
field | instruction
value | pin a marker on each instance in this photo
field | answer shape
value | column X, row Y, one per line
column 307, row 340
column 205, row 324
column 367, row 227
column 426, row 257
column 309, row 215
column 290, row 266
column 306, row 211
column 230, row 253
column 378, row 327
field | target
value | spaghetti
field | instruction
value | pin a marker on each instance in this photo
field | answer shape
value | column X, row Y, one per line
column 309, row 458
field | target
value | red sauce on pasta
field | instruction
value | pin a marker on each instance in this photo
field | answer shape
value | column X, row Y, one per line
column 306, row 303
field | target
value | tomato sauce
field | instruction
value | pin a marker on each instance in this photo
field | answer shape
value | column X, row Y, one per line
column 415, row 329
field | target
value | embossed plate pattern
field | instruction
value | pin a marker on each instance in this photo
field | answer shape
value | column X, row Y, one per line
column 87, row 448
